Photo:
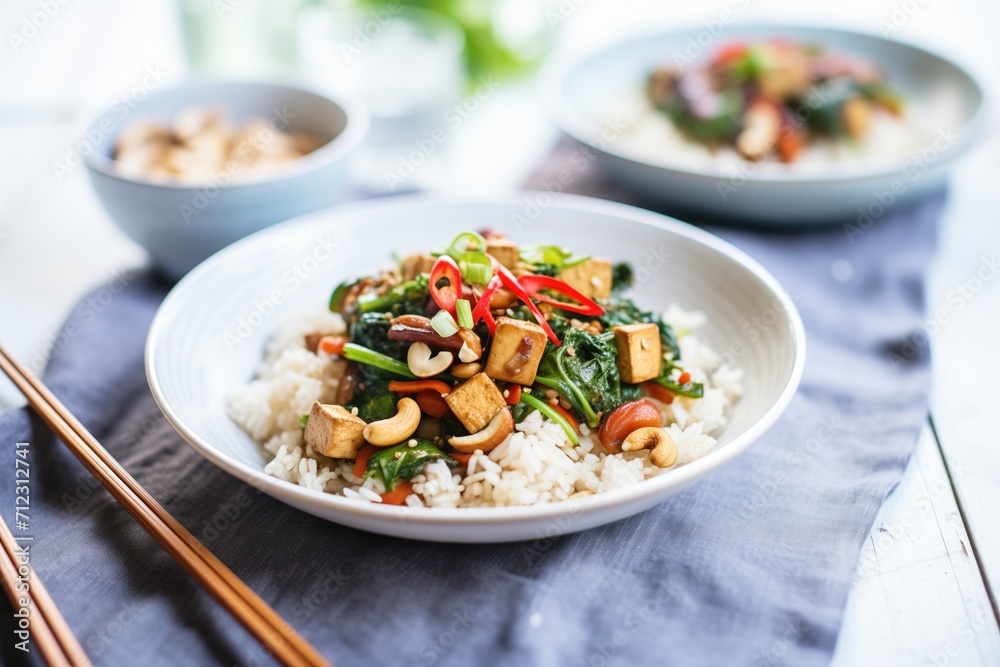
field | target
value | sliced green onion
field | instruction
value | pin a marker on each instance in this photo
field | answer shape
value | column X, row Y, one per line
column 477, row 273
column 444, row 324
column 467, row 242
column 363, row 355
column 464, row 311
column 547, row 411
column 575, row 261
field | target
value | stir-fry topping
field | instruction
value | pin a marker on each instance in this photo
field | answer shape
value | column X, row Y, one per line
column 451, row 348
column 771, row 98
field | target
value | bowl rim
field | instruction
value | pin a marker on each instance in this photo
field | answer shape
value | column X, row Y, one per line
column 355, row 129
column 577, row 126
column 492, row 515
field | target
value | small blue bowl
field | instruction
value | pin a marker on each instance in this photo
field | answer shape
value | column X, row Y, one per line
column 181, row 224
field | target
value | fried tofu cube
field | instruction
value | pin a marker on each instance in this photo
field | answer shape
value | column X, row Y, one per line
column 591, row 278
column 505, row 251
column 333, row 431
column 516, row 351
column 475, row 402
column 413, row 265
column 640, row 357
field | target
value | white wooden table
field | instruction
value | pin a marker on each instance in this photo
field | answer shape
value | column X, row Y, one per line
column 928, row 579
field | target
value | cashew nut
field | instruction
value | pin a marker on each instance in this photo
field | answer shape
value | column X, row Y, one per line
column 423, row 365
column 397, row 428
column 492, row 435
column 663, row 452
column 465, row 371
column 472, row 347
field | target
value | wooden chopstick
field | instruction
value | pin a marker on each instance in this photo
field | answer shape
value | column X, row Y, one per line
column 49, row 630
column 247, row 607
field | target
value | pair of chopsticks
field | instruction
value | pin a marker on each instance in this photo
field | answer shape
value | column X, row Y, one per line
column 39, row 619
column 272, row 631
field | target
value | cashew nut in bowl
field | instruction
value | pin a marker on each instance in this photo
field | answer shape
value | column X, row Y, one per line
column 487, row 439
column 397, row 428
column 663, row 449
column 423, row 365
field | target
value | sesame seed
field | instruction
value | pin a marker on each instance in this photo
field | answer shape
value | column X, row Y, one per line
column 644, row 343
column 506, row 393
column 354, row 411
column 399, row 454
column 411, row 443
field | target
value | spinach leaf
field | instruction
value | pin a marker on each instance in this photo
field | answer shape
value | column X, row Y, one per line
column 689, row 389
column 584, row 371
column 631, row 392
column 375, row 403
column 403, row 462
column 520, row 411
column 621, row 277
column 624, row 311
column 372, row 331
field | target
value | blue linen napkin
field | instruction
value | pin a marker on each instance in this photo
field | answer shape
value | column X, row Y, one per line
column 750, row 566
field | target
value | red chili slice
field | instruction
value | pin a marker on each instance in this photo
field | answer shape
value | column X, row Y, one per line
column 533, row 284
column 482, row 309
column 446, row 296
column 510, row 282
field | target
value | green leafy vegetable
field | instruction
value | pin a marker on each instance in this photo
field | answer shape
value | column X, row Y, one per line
column 689, row 389
column 303, row 420
column 587, row 378
column 403, row 462
column 363, row 355
column 621, row 277
column 340, row 294
column 624, row 311
column 408, row 297
column 374, row 403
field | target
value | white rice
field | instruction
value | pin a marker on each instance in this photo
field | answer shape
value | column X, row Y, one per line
column 651, row 133
column 535, row 464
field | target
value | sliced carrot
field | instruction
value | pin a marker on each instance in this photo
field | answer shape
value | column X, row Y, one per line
column 399, row 494
column 461, row 458
column 414, row 386
column 626, row 418
column 331, row 345
column 361, row 463
column 567, row 415
column 431, row 403
column 659, row 392
column 513, row 396
column 684, row 378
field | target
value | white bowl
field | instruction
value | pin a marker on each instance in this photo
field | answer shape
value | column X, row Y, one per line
column 210, row 333
column 179, row 224
column 583, row 96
